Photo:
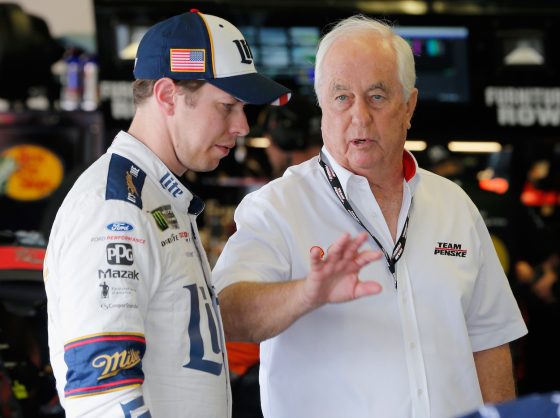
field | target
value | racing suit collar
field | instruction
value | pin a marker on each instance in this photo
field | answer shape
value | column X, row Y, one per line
column 128, row 146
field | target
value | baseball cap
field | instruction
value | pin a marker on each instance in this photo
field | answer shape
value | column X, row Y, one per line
column 196, row 46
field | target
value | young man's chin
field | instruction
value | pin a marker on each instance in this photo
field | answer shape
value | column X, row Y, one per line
column 210, row 166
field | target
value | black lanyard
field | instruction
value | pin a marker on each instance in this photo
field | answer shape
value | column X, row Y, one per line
column 399, row 246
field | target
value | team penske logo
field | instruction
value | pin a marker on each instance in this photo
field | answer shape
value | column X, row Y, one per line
column 450, row 249
column 116, row 362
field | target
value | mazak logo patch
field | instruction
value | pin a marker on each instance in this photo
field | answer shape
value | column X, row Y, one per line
column 117, row 274
column 450, row 249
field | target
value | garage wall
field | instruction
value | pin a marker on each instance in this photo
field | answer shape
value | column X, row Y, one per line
column 64, row 17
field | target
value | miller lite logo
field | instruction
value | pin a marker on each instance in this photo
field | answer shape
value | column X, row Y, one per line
column 169, row 183
column 112, row 364
column 244, row 51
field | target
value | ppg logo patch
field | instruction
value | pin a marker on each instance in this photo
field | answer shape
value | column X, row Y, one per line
column 120, row 254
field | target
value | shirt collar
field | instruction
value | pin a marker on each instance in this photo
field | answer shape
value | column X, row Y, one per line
column 126, row 145
column 410, row 169
column 409, row 165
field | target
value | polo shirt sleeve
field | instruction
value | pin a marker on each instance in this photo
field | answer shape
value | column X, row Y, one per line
column 258, row 250
column 493, row 316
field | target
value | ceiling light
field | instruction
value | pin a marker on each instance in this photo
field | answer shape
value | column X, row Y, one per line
column 414, row 145
column 412, row 7
column 258, row 142
column 466, row 146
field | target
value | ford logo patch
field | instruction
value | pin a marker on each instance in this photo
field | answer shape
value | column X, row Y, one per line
column 120, row 227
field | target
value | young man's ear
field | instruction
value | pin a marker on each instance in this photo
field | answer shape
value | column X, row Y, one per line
column 164, row 93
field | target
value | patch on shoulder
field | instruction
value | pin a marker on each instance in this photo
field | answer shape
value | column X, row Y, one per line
column 124, row 181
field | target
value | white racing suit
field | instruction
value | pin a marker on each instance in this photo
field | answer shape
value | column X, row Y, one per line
column 134, row 327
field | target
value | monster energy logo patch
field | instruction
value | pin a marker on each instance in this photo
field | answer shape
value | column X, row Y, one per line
column 165, row 217
column 160, row 220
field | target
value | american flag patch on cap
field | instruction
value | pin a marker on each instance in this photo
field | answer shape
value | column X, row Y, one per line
column 188, row 60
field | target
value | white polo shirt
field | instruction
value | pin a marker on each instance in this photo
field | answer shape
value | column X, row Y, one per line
column 404, row 353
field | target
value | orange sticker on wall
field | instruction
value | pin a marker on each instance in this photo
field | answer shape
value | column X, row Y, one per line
column 29, row 172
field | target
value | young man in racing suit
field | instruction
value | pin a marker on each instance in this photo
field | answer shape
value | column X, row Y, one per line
column 134, row 327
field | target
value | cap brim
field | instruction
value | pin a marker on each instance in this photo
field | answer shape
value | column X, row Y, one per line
column 254, row 88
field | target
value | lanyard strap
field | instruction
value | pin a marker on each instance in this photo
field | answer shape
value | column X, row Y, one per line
column 398, row 250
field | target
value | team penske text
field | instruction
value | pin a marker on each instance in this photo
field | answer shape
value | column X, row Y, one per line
column 450, row 249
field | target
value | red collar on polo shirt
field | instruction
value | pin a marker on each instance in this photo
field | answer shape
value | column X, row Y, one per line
column 409, row 165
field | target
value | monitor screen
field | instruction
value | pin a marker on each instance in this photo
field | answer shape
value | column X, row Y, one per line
column 284, row 52
column 441, row 55
column 279, row 52
column 285, row 49
column 273, row 36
